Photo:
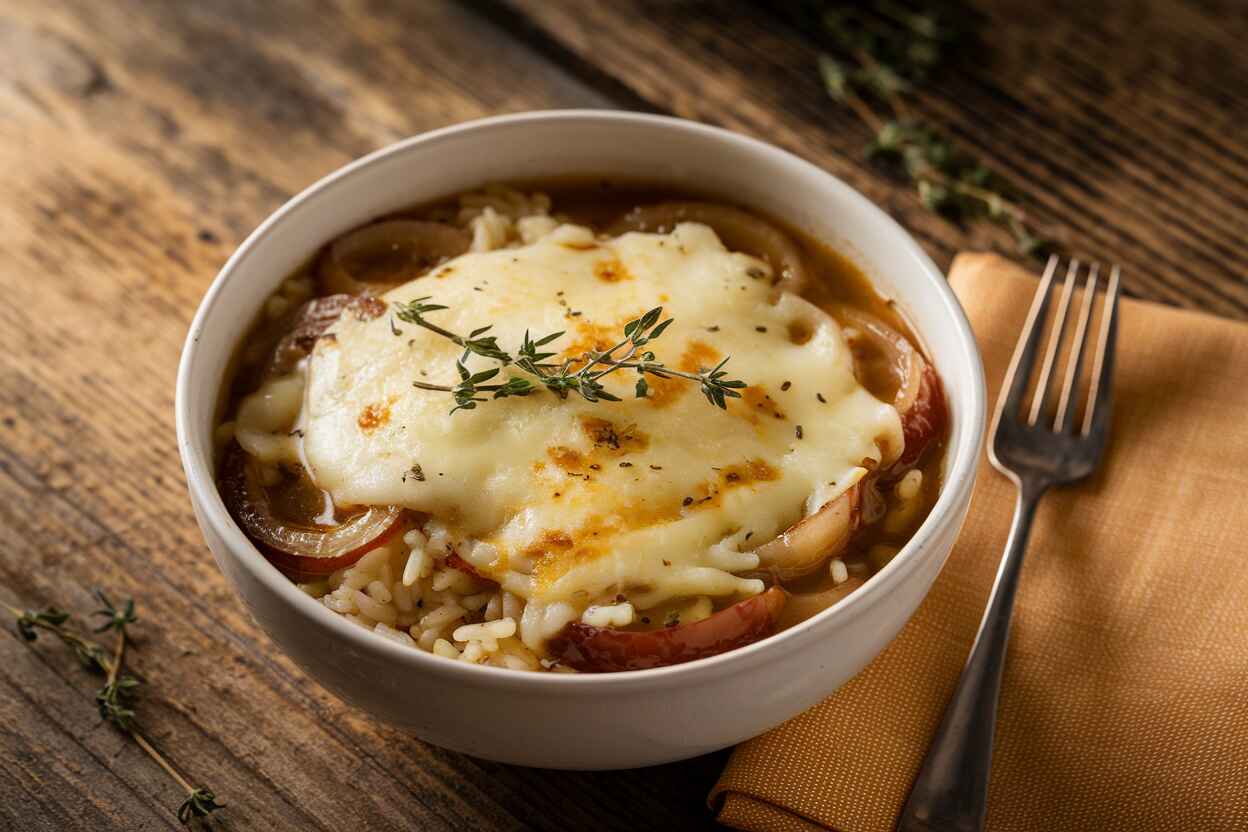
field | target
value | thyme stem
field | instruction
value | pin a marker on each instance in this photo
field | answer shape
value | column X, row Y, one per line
column 982, row 194
column 561, row 379
column 118, row 653
column 895, row 101
column 445, row 388
column 612, row 365
column 450, row 336
column 113, row 699
column 885, row 51
column 161, row 761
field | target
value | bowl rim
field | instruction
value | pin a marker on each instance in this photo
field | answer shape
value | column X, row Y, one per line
column 961, row 463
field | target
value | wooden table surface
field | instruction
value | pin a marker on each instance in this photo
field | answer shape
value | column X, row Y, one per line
column 141, row 141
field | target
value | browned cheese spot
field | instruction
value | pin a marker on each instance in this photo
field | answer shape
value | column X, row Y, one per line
column 373, row 416
column 556, row 552
column 610, row 439
column 611, row 271
column 569, row 459
column 759, row 403
column 747, row 473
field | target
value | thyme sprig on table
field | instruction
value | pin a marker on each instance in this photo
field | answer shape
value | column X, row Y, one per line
column 115, row 699
column 581, row 375
column 884, row 52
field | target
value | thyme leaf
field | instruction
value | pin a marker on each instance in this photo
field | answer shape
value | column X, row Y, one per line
column 117, row 618
column 198, row 804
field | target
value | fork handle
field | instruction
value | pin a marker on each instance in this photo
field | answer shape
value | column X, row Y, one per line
column 950, row 793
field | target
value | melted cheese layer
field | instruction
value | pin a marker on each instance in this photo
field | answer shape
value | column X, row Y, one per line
column 573, row 501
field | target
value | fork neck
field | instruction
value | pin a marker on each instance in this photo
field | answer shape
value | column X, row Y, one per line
column 1031, row 488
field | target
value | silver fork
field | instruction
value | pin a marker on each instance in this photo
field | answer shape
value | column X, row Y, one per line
column 950, row 793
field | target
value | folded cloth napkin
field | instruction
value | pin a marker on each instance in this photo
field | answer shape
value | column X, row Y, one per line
column 1125, row 699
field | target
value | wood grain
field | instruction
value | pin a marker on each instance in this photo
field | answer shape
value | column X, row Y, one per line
column 140, row 142
column 1115, row 121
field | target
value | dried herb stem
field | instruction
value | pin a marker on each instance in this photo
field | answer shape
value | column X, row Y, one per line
column 884, row 52
column 118, row 653
column 161, row 761
column 562, row 379
column 115, row 697
column 984, row 195
column 886, row 90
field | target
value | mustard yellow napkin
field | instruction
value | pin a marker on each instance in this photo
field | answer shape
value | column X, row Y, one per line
column 1125, row 699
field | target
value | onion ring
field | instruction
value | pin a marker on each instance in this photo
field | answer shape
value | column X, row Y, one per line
column 297, row 548
column 804, row 546
column 607, row 650
column 399, row 249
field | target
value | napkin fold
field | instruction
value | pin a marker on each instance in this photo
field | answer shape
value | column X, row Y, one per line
column 1125, row 699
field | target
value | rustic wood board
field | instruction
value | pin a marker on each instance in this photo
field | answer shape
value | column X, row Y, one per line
column 1118, row 122
column 140, row 142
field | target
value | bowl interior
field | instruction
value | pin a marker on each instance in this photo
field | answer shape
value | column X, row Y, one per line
column 578, row 143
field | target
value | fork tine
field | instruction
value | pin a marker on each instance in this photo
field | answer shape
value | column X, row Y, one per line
column 1055, row 341
column 1074, row 363
column 1024, row 358
column 1097, row 415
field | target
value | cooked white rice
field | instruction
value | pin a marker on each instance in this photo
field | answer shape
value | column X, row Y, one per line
column 429, row 605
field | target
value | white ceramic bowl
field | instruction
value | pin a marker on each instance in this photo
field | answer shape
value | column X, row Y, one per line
column 566, row 720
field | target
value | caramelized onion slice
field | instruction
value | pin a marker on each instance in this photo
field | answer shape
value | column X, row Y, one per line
column 605, row 650
column 737, row 230
column 296, row 547
column 801, row 548
column 304, row 326
column 924, row 420
column 919, row 400
column 809, row 604
column 383, row 255
column 871, row 337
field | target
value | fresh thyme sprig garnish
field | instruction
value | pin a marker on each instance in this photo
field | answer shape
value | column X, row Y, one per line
column 116, row 698
column 884, row 51
column 581, row 375
column 413, row 313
